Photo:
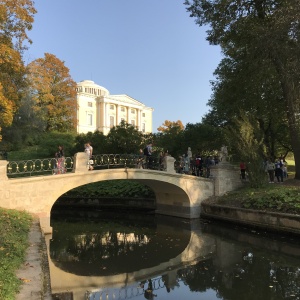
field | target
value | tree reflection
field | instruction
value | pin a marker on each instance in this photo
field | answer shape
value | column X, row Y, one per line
column 257, row 279
column 97, row 250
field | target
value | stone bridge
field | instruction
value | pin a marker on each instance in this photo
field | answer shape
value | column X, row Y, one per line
column 177, row 195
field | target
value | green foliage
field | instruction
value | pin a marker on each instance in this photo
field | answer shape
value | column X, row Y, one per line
column 115, row 188
column 280, row 199
column 14, row 228
column 246, row 142
column 260, row 70
column 49, row 144
column 272, row 197
column 124, row 138
column 97, row 139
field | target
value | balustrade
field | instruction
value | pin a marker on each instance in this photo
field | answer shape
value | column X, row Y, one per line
column 49, row 166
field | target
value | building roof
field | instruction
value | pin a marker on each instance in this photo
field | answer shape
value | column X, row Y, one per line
column 92, row 84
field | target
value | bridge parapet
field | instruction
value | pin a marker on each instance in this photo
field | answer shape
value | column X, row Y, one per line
column 3, row 166
column 80, row 163
column 226, row 178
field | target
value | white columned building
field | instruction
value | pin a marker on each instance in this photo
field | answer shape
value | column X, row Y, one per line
column 98, row 110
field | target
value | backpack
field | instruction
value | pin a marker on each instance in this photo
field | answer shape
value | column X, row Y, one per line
column 146, row 151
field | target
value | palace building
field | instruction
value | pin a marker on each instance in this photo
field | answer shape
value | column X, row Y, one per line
column 98, row 110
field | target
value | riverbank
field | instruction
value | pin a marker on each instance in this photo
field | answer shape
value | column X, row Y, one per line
column 34, row 272
column 275, row 207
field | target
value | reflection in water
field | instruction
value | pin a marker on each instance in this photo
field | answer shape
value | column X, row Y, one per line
column 108, row 256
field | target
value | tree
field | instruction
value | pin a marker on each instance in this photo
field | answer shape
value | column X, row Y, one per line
column 6, row 112
column 246, row 141
column 124, row 138
column 203, row 137
column 240, row 86
column 16, row 17
column 169, row 125
column 54, row 93
column 260, row 31
column 48, row 145
column 26, row 127
column 97, row 139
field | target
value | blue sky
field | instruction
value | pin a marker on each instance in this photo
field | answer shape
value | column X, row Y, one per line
column 150, row 50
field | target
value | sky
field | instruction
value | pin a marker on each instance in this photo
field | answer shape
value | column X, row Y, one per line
column 150, row 50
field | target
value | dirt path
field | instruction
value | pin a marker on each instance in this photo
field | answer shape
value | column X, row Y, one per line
column 35, row 271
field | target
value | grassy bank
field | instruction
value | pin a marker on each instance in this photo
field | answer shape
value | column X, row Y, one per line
column 278, row 197
column 14, row 228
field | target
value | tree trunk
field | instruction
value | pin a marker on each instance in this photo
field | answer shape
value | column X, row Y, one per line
column 291, row 95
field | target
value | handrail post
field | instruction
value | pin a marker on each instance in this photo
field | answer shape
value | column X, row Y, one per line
column 80, row 162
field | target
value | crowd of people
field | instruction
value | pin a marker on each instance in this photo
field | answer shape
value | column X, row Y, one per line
column 146, row 160
column 276, row 169
column 197, row 165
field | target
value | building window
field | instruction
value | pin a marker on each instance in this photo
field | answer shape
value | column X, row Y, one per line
column 133, row 122
column 133, row 111
column 90, row 119
column 143, row 115
column 122, row 108
column 111, row 107
column 111, row 121
column 143, row 127
column 90, row 104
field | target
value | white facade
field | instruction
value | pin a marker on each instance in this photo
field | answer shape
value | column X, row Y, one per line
column 98, row 110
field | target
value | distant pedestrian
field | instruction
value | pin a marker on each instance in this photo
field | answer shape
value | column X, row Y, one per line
column 60, row 161
column 208, row 164
column 148, row 156
column 243, row 170
column 270, row 168
column 140, row 160
column 88, row 149
column 279, row 170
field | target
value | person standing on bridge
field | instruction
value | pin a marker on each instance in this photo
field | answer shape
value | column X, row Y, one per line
column 89, row 153
column 60, row 161
column 148, row 156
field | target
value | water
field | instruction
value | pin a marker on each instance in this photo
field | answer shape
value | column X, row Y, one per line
column 105, row 255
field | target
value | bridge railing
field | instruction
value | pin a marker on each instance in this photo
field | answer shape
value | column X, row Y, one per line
column 109, row 161
column 49, row 166
column 39, row 166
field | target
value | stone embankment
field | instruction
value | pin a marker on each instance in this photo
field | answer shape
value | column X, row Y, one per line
column 34, row 273
column 279, row 222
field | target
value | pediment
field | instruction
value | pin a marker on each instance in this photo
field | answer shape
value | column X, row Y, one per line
column 126, row 99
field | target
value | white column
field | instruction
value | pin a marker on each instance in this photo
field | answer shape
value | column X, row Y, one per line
column 105, row 115
column 117, row 114
column 140, row 120
column 128, row 109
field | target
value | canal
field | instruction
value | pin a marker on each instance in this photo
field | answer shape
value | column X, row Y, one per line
column 104, row 255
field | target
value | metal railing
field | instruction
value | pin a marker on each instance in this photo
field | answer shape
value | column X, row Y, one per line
column 39, row 166
column 109, row 161
column 49, row 166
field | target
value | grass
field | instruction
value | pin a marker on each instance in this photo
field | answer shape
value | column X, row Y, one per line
column 14, row 229
column 282, row 198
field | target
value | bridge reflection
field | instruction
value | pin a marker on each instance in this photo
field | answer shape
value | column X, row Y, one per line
column 131, row 291
column 125, row 274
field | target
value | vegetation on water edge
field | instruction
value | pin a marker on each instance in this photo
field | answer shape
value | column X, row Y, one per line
column 274, row 197
column 14, row 229
column 113, row 188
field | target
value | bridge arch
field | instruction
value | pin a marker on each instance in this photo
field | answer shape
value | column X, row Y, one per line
column 175, row 193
